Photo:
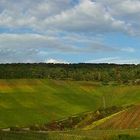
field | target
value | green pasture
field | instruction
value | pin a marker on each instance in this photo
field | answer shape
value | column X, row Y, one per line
column 73, row 135
column 26, row 102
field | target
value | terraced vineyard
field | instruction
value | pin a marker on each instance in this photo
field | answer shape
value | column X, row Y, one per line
column 127, row 119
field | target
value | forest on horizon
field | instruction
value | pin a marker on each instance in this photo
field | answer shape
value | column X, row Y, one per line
column 79, row 72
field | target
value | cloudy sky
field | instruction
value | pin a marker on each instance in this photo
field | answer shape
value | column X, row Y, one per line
column 70, row 31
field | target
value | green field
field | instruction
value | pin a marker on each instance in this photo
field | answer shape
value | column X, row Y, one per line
column 28, row 102
column 74, row 135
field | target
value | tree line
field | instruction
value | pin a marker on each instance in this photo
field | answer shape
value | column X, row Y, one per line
column 79, row 72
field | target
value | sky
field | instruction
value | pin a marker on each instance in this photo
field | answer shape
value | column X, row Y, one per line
column 70, row 31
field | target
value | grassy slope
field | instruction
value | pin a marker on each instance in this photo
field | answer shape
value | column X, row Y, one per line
column 25, row 102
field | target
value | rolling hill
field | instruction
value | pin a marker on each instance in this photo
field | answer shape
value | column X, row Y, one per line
column 24, row 102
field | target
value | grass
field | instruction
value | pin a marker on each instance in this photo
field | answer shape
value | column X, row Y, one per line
column 26, row 102
column 108, row 134
column 74, row 135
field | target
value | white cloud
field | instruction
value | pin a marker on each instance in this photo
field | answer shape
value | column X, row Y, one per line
column 128, row 49
column 102, row 16
column 53, row 43
column 34, row 41
column 10, row 55
column 29, row 13
column 87, row 17
column 126, row 10
column 125, row 7
column 64, row 26
column 116, row 60
column 56, row 61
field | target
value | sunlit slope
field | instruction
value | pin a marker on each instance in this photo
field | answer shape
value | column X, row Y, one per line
column 25, row 102
column 127, row 119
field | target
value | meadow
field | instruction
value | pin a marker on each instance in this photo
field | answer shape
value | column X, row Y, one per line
column 35, row 102
column 74, row 135
column 25, row 102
